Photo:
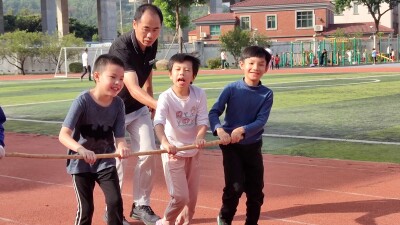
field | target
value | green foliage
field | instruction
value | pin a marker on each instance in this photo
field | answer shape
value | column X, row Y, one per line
column 214, row 63
column 175, row 14
column 16, row 47
column 29, row 22
column 51, row 49
column 75, row 67
column 234, row 41
column 82, row 30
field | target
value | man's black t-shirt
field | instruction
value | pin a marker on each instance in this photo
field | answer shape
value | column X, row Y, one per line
column 127, row 49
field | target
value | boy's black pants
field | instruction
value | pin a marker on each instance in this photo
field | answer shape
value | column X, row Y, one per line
column 84, row 185
column 244, row 172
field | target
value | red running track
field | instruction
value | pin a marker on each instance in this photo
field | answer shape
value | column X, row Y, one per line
column 297, row 190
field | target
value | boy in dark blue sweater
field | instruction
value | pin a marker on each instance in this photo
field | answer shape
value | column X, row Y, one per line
column 248, row 104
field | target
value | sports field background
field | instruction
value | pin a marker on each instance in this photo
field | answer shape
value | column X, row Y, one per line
column 334, row 115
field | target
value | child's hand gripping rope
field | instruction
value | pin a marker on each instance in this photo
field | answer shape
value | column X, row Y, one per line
column 103, row 156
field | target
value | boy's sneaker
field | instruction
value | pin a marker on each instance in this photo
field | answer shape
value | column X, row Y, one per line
column 124, row 221
column 159, row 222
column 220, row 221
column 144, row 213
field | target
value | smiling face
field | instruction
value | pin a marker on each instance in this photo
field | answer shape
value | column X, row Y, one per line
column 111, row 80
column 147, row 29
column 181, row 75
column 253, row 68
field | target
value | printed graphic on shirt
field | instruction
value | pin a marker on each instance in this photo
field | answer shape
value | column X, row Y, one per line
column 98, row 132
column 186, row 119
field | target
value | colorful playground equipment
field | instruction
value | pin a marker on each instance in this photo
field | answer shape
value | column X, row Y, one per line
column 340, row 51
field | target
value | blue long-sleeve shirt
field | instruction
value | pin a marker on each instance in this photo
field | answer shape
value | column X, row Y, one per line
column 2, row 120
column 247, row 106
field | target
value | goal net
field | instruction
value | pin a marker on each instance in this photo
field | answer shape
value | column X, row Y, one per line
column 70, row 55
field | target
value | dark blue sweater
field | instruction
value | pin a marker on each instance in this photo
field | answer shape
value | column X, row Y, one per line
column 247, row 106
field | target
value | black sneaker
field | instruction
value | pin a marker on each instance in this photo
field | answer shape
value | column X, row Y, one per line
column 124, row 221
column 145, row 214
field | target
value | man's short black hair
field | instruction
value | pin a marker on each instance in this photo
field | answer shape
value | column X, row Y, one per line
column 255, row 51
column 182, row 57
column 103, row 60
column 143, row 8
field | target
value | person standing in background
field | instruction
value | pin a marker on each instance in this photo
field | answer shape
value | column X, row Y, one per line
column 223, row 59
column 86, row 66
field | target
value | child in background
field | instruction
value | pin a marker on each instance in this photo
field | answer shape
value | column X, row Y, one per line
column 96, row 117
column 2, row 121
column 248, row 104
column 181, row 119
column 277, row 60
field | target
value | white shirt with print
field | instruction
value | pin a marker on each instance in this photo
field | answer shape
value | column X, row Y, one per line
column 181, row 117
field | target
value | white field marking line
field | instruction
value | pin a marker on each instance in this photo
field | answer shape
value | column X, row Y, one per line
column 35, row 121
column 11, row 221
column 36, row 103
column 33, row 103
column 331, row 139
column 328, row 85
column 302, row 86
column 31, row 81
column 35, row 181
column 333, row 191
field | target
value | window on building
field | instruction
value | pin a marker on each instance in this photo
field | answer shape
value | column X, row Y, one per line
column 355, row 8
column 304, row 19
column 245, row 23
column 215, row 30
column 271, row 22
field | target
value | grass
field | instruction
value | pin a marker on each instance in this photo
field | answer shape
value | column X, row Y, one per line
column 360, row 106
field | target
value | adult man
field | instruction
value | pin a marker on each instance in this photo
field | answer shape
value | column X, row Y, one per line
column 137, row 49
column 86, row 66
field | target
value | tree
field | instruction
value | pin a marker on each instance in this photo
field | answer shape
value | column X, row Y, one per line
column 16, row 47
column 235, row 40
column 81, row 30
column 51, row 50
column 175, row 16
column 374, row 8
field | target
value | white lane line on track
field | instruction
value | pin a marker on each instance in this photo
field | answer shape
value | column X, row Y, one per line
column 331, row 139
column 333, row 191
column 11, row 221
column 285, row 220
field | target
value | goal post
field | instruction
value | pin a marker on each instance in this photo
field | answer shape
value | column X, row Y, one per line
column 70, row 55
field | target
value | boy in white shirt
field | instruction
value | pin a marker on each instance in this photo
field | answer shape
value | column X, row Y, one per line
column 181, row 119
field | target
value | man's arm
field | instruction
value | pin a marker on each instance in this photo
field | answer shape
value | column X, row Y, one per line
column 143, row 95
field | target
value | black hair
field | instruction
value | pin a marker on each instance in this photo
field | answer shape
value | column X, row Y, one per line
column 103, row 60
column 182, row 57
column 255, row 51
column 143, row 8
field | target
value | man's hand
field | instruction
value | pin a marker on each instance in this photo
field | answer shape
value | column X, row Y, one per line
column 124, row 152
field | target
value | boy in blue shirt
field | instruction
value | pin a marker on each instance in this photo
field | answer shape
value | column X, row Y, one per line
column 248, row 104
column 95, row 119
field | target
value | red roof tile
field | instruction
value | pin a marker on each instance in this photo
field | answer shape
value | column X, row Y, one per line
column 351, row 28
column 250, row 3
column 216, row 17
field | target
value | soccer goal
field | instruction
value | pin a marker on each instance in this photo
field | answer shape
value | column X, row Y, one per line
column 70, row 55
